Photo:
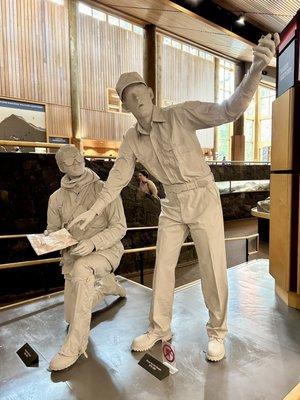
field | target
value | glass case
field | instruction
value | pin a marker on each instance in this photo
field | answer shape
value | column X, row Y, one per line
column 244, row 186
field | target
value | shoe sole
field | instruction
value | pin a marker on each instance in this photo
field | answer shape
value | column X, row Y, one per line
column 61, row 369
column 216, row 358
column 150, row 347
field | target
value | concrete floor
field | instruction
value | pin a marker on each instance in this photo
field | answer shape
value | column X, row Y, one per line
column 263, row 347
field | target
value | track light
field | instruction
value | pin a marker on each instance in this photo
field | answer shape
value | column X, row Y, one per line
column 241, row 20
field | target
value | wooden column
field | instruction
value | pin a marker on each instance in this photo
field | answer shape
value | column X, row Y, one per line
column 150, row 59
column 238, row 138
column 74, row 72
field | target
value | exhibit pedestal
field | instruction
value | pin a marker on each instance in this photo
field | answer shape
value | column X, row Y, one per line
column 291, row 299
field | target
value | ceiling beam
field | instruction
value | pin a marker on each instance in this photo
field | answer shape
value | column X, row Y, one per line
column 226, row 19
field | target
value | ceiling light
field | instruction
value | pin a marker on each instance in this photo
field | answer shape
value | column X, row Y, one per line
column 241, row 20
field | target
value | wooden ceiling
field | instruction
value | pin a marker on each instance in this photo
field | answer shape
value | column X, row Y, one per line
column 178, row 21
column 270, row 15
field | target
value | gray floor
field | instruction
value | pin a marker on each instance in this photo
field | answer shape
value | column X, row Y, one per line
column 263, row 347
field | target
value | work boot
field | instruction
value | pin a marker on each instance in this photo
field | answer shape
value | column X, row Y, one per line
column 148, row 340
column 60, row 361
column 119, row 289
column 215, row 349
column 109, row 285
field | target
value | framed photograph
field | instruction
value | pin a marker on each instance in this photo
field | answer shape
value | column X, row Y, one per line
column 22, row 121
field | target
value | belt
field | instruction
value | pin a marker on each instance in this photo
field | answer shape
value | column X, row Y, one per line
column 182, row 187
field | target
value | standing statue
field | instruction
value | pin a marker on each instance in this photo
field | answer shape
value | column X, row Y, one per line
column 165, row 142
column 88, row 267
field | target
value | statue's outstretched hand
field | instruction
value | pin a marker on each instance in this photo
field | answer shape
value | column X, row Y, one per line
column 84, row 248
column 86, row 217
column 265, row 50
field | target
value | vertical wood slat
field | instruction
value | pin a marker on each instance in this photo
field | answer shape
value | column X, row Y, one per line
column 105, row 51
column 34, row 64
column 185, row 76
column 34, row 61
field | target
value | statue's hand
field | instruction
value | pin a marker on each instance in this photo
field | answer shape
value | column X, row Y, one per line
column 84, row 248
column 86, row 217
column 46, row 233
column 265, row 51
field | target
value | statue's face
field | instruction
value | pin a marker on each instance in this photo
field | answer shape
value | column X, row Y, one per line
column 72, row 163
column 137, row 98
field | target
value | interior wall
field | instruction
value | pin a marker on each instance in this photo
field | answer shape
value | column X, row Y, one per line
column 34, row 58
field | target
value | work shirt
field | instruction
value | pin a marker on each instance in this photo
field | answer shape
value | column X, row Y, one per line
column 171, row 152
column 106, row 231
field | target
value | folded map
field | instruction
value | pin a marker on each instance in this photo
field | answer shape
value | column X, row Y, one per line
column 58, row 240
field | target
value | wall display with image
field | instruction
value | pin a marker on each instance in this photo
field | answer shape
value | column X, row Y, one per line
column 286, row 69
column 22, row 121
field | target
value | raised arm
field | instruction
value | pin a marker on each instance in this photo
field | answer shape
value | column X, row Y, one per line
column 201, row 115
column 119, row 177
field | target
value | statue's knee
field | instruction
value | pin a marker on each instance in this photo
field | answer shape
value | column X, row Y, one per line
column 81, row 269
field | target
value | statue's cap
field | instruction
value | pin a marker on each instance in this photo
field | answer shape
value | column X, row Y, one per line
column 127, row 79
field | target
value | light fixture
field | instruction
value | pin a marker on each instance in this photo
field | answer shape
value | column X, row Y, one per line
column 241, row 20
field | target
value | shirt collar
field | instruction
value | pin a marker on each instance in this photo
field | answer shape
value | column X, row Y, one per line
column 157, row 116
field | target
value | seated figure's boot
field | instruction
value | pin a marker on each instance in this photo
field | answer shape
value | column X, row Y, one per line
column 215, row 349
column 111, row 286
column 76, row 341
column 148, row 340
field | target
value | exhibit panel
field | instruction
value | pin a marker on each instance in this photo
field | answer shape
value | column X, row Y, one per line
column 285, row 169
column 282, row 131
column 280, row 229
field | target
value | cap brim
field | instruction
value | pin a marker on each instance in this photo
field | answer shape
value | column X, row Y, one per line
column 129, row 84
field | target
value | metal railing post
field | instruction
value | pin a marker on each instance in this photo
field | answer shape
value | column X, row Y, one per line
column 142, row 264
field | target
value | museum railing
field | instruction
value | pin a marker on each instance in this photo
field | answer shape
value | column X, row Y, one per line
column 140, row 250
column 21, row 143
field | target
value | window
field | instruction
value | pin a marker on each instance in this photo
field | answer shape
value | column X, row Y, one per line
column 102, row 16
column 84, row 9
column 188, row 49
column 59, row 2
column 225, row 89
column 266, row 96
column 258, row 125
column 249, row 130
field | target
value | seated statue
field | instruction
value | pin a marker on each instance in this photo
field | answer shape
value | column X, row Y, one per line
column 264, row 205
column 88, row 267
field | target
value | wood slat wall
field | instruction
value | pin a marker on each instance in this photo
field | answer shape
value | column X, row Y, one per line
column 34, row 58
column 105, row 51
column 58, row 121
column 104, row 125
column 188, row 77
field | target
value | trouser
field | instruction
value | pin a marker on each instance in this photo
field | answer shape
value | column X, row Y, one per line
column 198, row 211
column 81, row 295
